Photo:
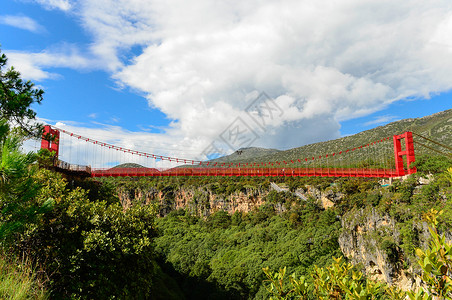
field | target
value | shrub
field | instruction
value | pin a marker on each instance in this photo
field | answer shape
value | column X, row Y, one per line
column 91, row 249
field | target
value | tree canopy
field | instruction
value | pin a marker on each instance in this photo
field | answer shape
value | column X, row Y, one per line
column 16, row 98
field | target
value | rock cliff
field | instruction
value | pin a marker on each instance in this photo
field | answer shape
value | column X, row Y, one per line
column 203, row 201
column 200, row 200
column 370, row 239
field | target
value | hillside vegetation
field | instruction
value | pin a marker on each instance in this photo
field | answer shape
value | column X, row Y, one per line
column 437, row 127
column 247, row 154
column 213, row 254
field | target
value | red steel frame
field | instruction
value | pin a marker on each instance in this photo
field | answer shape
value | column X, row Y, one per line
column 287, row 172
column 408, row 152
column 50, row 141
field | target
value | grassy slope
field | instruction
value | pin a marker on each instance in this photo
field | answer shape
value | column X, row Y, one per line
column 437, row 127
column 18, row 281
column 247, row 154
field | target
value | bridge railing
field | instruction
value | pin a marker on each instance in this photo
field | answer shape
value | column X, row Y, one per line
column 72, row 167
column 322, row 172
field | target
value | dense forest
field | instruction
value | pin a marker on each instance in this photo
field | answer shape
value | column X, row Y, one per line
column 214, row 238
column 223, row 255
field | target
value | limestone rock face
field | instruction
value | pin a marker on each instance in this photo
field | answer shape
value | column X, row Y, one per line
column 326, row 198
column 204, row 202
column 357, row 244
column 198, row 200
column 370, row 239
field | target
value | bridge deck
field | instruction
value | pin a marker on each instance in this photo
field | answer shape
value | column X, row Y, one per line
column 322, row 172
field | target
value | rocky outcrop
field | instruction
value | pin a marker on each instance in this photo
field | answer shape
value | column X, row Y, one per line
column 204, row 202
column 357, row 241
column 200, row 200
column 371, row 239
column 327, row 198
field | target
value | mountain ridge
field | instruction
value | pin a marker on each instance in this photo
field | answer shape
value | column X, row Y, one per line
column 437, row 126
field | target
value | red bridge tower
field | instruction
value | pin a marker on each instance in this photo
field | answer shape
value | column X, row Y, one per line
column 408, row 152
column 50, row 140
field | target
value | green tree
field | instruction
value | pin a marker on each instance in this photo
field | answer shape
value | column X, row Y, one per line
column 337, row 281
column 436, row 263
column 18, row 190
column 92, row 249
column 279, row 288
column 16, row 98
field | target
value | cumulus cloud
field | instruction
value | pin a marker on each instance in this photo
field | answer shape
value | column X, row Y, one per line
column 204, row 62
column 325, row 62
column 63, row 5
column 116, row 26
column 381, row 120
column 32, row 66
column 22, row 22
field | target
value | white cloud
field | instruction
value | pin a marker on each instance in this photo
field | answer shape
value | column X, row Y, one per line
column 329, row 61
column 63, row 5
column 116, row 26
column 204, row 61
column 381, row 120
column 22, row 22
column 32, row 66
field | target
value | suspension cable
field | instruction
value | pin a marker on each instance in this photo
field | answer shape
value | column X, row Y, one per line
column 433, row 149
column 434, row 142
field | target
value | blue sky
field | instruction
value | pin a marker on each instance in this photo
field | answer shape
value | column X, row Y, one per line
column 87, row 95
column 169, row 77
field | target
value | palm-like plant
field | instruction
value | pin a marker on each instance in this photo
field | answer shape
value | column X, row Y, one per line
column 18, row 189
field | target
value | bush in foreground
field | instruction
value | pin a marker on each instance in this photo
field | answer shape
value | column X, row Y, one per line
column 18, row 281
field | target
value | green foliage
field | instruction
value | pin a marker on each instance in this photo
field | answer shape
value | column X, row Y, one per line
column 405, row 189
column 46, row 158
column 449, row 174
column 358, row 192
column 280, row 289
column 220, row 219
column 230, row 251
column 373, row 199
column 16, row 97
column 432, row 164
column 336, row 281
column 410, row 238
column 18, row 190
column 92, row 250
column 18, row 280
column 436, row 262
column 407, row 201
column 391, row 249
column 419, row 295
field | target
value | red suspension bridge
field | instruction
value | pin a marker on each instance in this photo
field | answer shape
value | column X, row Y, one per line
column 387, row 157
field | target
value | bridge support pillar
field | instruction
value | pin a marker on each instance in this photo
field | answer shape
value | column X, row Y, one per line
column 50, row 140
column 408, row 152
